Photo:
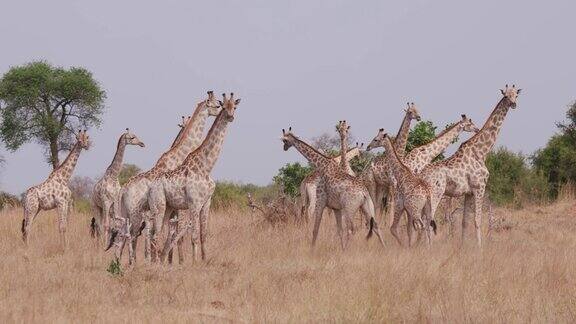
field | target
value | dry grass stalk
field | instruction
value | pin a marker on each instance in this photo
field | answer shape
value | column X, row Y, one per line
column 270, row 274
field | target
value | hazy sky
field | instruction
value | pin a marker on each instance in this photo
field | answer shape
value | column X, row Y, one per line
column 305, row 64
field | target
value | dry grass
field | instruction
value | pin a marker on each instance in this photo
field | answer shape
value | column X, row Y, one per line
column 262, row 273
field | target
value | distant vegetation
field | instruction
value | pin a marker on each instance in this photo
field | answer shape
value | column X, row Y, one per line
column 46, row 104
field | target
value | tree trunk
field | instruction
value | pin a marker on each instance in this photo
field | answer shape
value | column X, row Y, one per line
column 54, row 153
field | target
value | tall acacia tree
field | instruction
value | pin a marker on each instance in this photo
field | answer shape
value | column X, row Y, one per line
column 43, row 103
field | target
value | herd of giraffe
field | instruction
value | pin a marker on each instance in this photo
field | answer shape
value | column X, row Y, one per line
column 410, row 183
column 174, row 196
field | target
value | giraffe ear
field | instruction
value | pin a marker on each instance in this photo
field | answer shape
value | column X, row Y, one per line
column 237, row 101
column 518, row 91
column 221, row 103
column 503, row 93
column 463, row 116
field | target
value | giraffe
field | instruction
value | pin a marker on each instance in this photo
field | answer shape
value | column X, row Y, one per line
column 376, row 177
column 344, row 193
column 465, row 173
column 416, row 193
column 107, row 188
column 54, row 191
column 312, row 184
column 422, row 155
column 190, row 186
column 133, row 195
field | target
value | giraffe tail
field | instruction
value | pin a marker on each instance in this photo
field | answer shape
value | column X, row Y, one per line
column 372, row 227
column 94, row 228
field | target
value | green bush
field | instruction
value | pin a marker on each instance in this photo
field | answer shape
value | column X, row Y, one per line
column 8, row 201
column 82, row 205
column 512, row 181
column 290, row 176
column 230, row 194
column 557, row 161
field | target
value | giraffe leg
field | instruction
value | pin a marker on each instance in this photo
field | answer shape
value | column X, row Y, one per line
column 105, row 220
column 180, row 244
column 390, row 204
column 133, row 245
column 368, row 212
column 31, row 210
column 204, row 213
column 478, row 198
column 399, row 209
column 338, row 216
column 173, row 227
column 195, row 236
column 313, row 194
column 303, row 203
column 62, row 222
column 147, row 247
column 158, row 211
column 378, row 205
column 465, row 215
column 193, row 212
column 318, row 211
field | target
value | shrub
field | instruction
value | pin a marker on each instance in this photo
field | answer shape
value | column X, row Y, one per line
column 230, row 194
column 512, row 181
column 290, row 176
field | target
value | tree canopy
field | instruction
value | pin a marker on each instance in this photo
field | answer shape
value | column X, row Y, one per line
column 45, row 104
column 557, row 160
column 128, row 171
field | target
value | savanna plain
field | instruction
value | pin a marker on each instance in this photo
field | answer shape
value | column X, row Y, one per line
column 256, row 272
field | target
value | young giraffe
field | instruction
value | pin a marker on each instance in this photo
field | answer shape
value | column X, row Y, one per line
column 133, row 196
column 344, row 193
column 190, row 186
column 421, row 156
column 416, row 194
column 376, row 177
column 465, row 173
column 311, row 184
column 54, row 191
column 107, row 188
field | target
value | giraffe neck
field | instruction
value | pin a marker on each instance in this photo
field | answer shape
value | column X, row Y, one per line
column 114, row 169
column 344, row 162
column 429, row 151
column 178, row 137
column 402, row 137
column 64, row 170
column 399, row 170
column 481, row 143
column 205, row 156
column 317, row 159
column 191, row 137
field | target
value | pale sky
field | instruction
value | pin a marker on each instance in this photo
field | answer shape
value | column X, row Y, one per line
column 305, row 64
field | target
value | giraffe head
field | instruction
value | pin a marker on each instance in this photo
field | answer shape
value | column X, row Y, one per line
column 229, row 106
column 288, row 138
column 412, row 112
column 211, row 104
column 185, row 121
column 132, row 139
column 468, row 125
column 378, row 140
column 83, row 139
column 343, row 129
column 511, row 95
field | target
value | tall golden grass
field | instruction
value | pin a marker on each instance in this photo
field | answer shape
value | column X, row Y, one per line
column 526, row 272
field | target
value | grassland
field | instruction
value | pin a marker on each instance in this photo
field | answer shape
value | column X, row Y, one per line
column 259, row 273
